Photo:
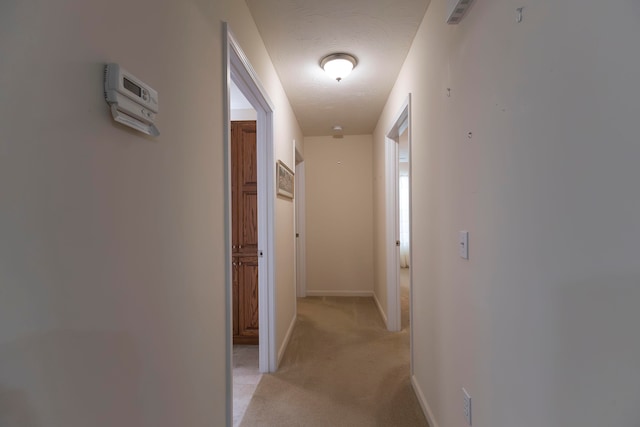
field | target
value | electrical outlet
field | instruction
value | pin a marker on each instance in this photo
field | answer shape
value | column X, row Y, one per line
column 466, row 405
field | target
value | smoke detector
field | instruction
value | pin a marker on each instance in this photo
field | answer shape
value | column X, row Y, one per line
column 456, row 10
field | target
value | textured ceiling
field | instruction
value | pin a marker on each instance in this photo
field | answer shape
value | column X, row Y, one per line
column 298, row 33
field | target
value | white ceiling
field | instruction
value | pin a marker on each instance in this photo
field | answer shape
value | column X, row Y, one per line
column 298, row 33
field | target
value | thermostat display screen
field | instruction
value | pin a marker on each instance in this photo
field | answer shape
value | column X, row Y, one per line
column 129, row 85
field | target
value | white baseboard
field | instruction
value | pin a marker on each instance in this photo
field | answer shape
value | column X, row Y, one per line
column 382, row 313
column 339, row 293
column 431, row 419
column 285, row 342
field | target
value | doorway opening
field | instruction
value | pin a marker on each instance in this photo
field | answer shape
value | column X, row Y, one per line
column 240, row 73
column 398, row 224
column 244, row 222
column 244, row 239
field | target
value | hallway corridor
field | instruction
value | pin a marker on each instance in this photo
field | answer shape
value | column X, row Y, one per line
column 341, row 368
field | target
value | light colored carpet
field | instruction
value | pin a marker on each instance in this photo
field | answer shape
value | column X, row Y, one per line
column 341, row 368
column 246, row 376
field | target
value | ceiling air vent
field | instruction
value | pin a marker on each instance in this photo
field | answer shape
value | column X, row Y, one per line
column 456, row 10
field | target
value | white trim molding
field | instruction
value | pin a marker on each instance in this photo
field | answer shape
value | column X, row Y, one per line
column 431, row 419
column 286, row 340
column 382, row 313
column 336, row 293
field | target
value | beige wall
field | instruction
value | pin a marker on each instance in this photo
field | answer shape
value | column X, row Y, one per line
column 540, row 324
column 339, row 215
column 112, row 251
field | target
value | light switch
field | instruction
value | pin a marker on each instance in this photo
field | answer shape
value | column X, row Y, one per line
column 463, row 244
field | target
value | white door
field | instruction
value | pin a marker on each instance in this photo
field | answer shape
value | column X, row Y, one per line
column 301, row 283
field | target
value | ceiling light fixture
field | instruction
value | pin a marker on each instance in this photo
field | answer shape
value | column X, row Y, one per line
column 338, row 65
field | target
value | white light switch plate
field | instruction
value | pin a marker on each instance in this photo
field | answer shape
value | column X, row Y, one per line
column 466, row 405
column 463, row 244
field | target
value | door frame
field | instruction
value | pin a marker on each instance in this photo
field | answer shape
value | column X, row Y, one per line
column 239, row 69
column 401, row 122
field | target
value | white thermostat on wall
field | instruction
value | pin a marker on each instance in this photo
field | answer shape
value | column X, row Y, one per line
column 133, row 103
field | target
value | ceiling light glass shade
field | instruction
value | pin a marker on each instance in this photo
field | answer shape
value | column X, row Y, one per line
column 338, row 68
column 338, row 65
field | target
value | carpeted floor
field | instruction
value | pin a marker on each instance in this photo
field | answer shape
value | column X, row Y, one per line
column 246, row 377
column 341, row 368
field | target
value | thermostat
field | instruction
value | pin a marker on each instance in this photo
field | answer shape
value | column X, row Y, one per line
column 133, row 103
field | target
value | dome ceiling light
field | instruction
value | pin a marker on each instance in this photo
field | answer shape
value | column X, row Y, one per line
column 338, row 65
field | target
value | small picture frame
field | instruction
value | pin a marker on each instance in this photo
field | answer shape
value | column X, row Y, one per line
column 285, row 181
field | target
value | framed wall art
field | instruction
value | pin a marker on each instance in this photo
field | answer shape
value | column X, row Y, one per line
column 284, row 177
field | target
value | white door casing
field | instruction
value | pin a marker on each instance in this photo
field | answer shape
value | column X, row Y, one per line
column 401, row 124
column 240, row 71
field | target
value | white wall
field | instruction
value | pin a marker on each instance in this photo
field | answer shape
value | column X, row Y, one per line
column 112, row 248
column 339, row 215
column 243, row 114
column 540, row 324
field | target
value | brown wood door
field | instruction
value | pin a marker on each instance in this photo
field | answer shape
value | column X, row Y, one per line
column 246, row 272
column 244, row 183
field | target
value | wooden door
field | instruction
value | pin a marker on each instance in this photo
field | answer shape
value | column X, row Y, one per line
column 244, row 183
column 246, row 272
